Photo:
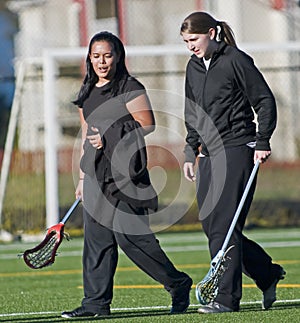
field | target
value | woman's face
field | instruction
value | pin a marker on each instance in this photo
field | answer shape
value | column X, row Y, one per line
column 202, row 45
column 104, row 60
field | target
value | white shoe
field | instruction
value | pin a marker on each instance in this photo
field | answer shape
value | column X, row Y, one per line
column 214, row 307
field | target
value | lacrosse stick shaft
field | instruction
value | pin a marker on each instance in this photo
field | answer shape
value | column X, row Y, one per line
column 71, row 209
column 241, row 204
column 207, row 289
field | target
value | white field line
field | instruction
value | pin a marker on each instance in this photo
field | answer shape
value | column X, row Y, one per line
column 198, row 247
column 144, row 308
column 170, row 238
column 254, row 235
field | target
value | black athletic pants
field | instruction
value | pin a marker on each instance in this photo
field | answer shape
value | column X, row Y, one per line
column 218, row 197
column 100, row 257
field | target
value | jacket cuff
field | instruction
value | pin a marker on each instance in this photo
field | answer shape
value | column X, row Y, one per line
column 189, row 154
column 262, row 145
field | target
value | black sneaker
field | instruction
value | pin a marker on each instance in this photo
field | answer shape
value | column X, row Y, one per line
column 269, row 295
column 80, row 312
column 181, row 298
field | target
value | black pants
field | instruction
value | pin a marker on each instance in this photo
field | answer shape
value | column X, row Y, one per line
column 218, row 197
column 100, row 257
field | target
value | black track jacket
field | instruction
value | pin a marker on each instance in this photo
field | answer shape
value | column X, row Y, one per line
column 219, row 101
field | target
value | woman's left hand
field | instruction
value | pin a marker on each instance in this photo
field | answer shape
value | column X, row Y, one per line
column 261, row 155
column 79, row 189
column 95, row 139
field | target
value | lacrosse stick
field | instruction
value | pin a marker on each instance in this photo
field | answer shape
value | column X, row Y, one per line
column 207, row 289
column 44, row 254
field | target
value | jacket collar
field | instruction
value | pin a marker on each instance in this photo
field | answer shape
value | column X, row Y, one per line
column 220, row 50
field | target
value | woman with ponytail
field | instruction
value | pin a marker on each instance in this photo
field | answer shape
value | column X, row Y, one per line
column 222, row 88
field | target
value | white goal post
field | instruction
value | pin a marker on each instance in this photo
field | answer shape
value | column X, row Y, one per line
column 52, row 56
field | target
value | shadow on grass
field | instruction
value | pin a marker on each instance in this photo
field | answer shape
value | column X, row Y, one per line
column 127, row 315
column 275, row 307
column 143, row 314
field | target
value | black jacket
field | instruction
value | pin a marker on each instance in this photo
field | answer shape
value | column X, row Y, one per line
column 219, row 102
column 122, row 162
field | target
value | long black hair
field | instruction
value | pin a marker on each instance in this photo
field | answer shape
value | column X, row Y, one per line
column 91, row 77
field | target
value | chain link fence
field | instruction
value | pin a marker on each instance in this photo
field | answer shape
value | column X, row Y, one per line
column 70, row 24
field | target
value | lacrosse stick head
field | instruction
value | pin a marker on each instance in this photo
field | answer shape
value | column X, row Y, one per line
column 44, row 254
column 207, row 290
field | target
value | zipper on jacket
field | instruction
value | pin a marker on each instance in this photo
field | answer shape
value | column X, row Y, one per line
column 204, row 85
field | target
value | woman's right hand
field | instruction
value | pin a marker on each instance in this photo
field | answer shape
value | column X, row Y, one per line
column 95, row 138
column 79, row 190
column 188, row 170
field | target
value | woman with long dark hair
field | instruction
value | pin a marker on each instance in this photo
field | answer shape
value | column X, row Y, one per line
column 114, row 183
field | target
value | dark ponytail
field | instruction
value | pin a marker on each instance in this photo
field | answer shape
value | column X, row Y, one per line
column 226, row 33
column 200, row 22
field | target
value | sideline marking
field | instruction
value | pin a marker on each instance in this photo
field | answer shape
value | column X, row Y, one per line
column 119, row 269
column 197, row 247
column 144, row 308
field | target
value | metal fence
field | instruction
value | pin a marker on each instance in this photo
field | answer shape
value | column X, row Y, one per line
column 268, row 34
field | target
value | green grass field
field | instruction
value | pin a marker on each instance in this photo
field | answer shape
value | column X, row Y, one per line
column 28, row 295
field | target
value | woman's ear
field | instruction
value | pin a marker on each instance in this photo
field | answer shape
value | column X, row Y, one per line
column 212, row 33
